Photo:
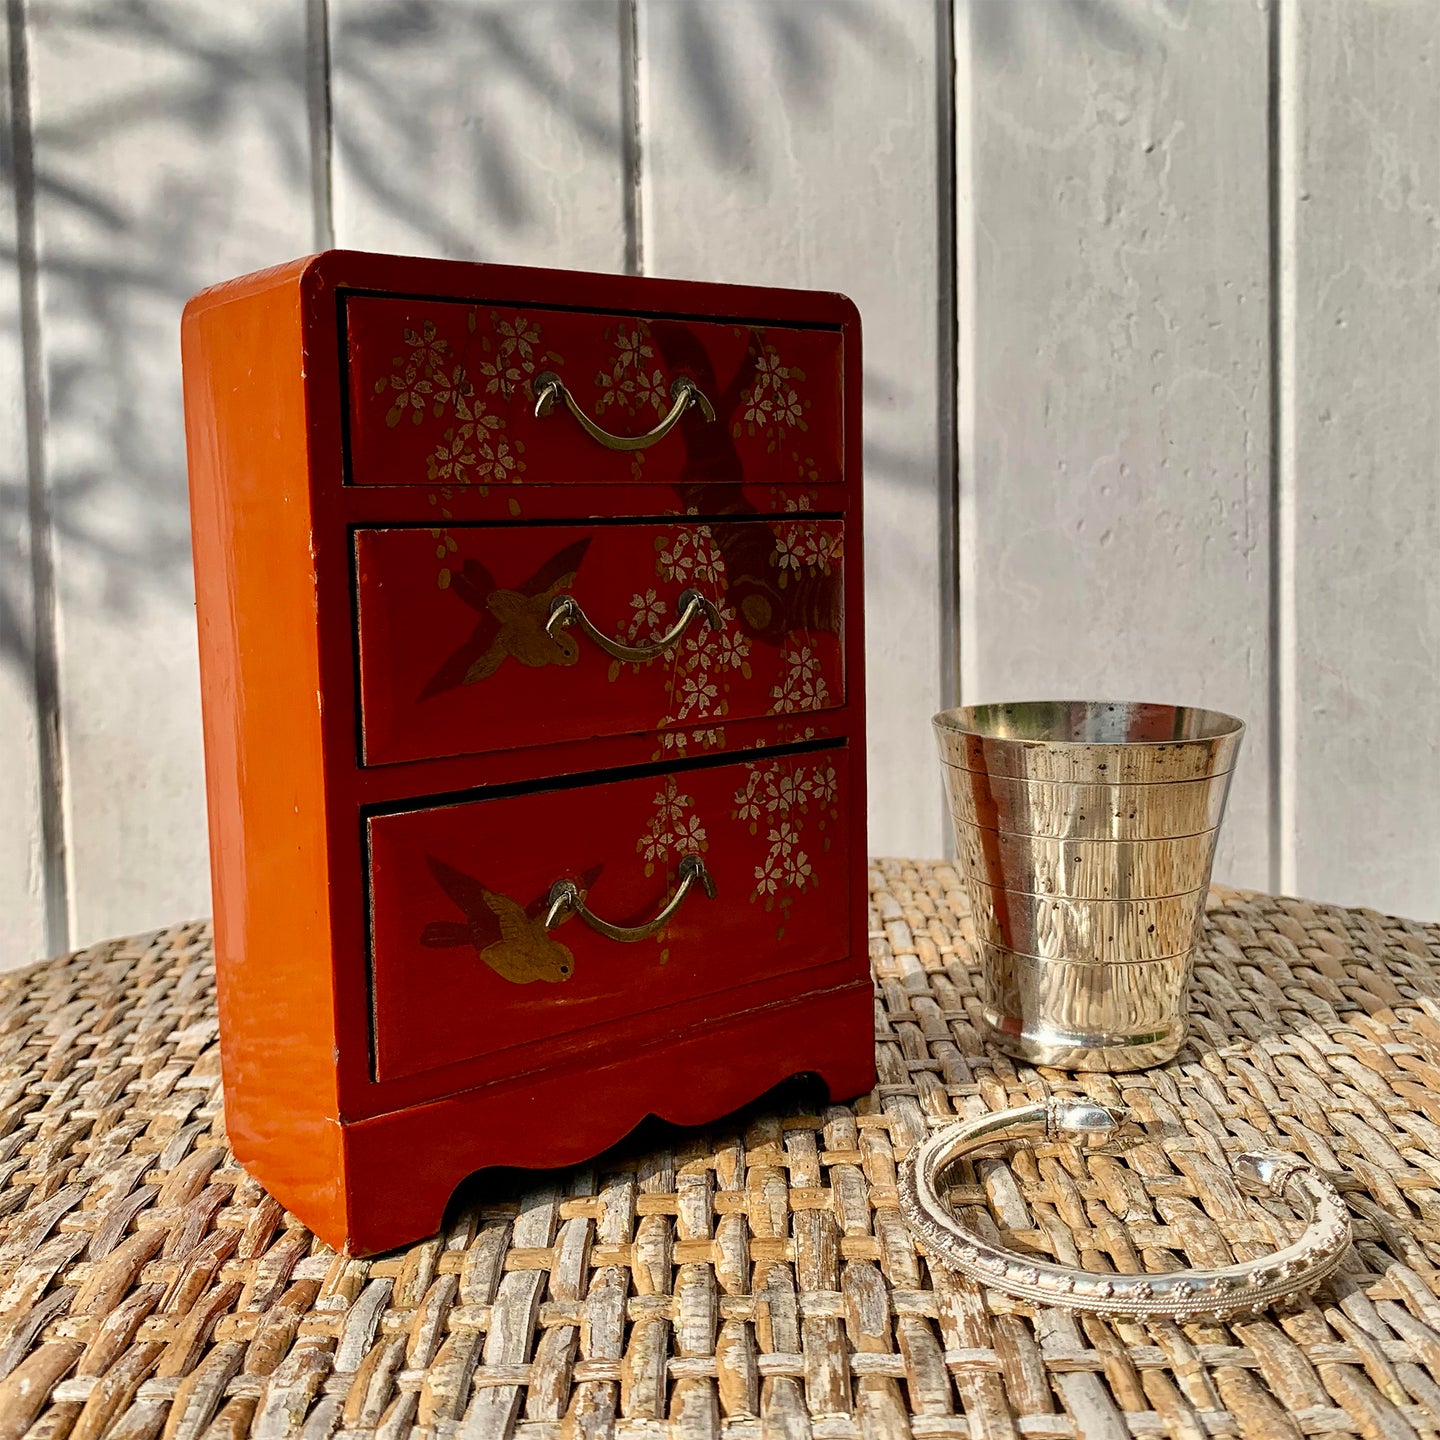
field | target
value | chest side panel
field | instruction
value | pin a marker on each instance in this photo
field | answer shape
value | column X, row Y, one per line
column 257, row 594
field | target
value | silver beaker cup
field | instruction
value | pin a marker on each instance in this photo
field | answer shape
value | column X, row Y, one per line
column 1086, row 831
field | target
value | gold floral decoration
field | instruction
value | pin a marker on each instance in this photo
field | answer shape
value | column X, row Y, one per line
column 802, row 682
column 473, row 451
column 674, row 831
column 633, row 382
column 512, row 351
column 411, row 381
column 771, row 406
column 793, row 803
column 801, row 546
column 700, row 667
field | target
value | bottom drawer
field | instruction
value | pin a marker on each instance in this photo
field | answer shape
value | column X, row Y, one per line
column 464, row 962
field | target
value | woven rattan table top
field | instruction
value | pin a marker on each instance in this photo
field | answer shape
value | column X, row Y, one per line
column 754, row 1279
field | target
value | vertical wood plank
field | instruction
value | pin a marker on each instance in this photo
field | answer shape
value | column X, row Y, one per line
column 22, row 851
column 1366, row 762
column 23, row 936
column 796, row 142
column 1120, row 488
column 171, row 151
column 480, row 130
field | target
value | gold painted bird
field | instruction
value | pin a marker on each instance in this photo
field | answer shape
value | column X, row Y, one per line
column 516, row 946
column 522, row 631
column 524, row 951
column 512, row 622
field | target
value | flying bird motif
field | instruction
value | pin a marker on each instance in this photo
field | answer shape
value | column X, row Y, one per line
column 516, row 946
column 512, row 622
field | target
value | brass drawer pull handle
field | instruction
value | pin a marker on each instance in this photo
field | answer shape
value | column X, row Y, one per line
column 548, row 387
column 566, row 900
column 565, row 611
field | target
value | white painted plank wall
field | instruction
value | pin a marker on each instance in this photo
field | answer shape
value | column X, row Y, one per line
column 1115, row 505
column 1363, row 813
column 170, row 150
column 23, row 928
column 481, row 130
column 1108, row 227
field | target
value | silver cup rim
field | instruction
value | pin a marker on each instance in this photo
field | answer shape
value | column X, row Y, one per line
column 1205, row 726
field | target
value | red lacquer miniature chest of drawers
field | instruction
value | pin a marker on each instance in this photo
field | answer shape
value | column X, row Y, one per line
column 530, row 628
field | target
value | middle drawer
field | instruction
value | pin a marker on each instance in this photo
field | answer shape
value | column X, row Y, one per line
column 680, row 624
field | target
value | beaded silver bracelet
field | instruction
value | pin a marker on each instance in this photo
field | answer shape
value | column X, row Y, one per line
column 1177, row 1294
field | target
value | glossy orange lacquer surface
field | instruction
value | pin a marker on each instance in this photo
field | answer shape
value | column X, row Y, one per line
column 394, row 1014
column 264, row 771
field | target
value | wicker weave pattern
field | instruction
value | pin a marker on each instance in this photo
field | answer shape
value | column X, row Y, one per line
column 755, row 1279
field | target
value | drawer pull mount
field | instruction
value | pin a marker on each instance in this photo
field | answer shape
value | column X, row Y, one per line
column 566, row 900
column 565, row 611
column 549, row 387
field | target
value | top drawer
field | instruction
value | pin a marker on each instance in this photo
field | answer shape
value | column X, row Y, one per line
column 445, row 393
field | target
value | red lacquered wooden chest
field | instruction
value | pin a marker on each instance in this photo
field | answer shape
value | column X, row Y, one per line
column 530, row 630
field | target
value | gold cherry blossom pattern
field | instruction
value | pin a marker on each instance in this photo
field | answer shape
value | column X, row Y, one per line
column 690, row 556
column 702, row 666
column 698, row 668
column 647, row 622
column 680, row 741
column 674, row 832
column 792, row 803
column 450, row 390
column 473, row 451
column 801, row 546
column 633, row 382
column 411, row 382
column 802, row 681
column 512, row 353
column 771, row 406
column 791, row 501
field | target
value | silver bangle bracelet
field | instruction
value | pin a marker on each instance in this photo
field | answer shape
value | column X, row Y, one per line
column 1177, row 1294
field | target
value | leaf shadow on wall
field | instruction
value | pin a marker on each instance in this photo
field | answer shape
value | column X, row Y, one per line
column 443, row 116
column 172, row 147
column 145, row 124
column 998, row 26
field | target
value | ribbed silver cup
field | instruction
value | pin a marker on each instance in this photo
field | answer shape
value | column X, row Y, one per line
column 1086, row 831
